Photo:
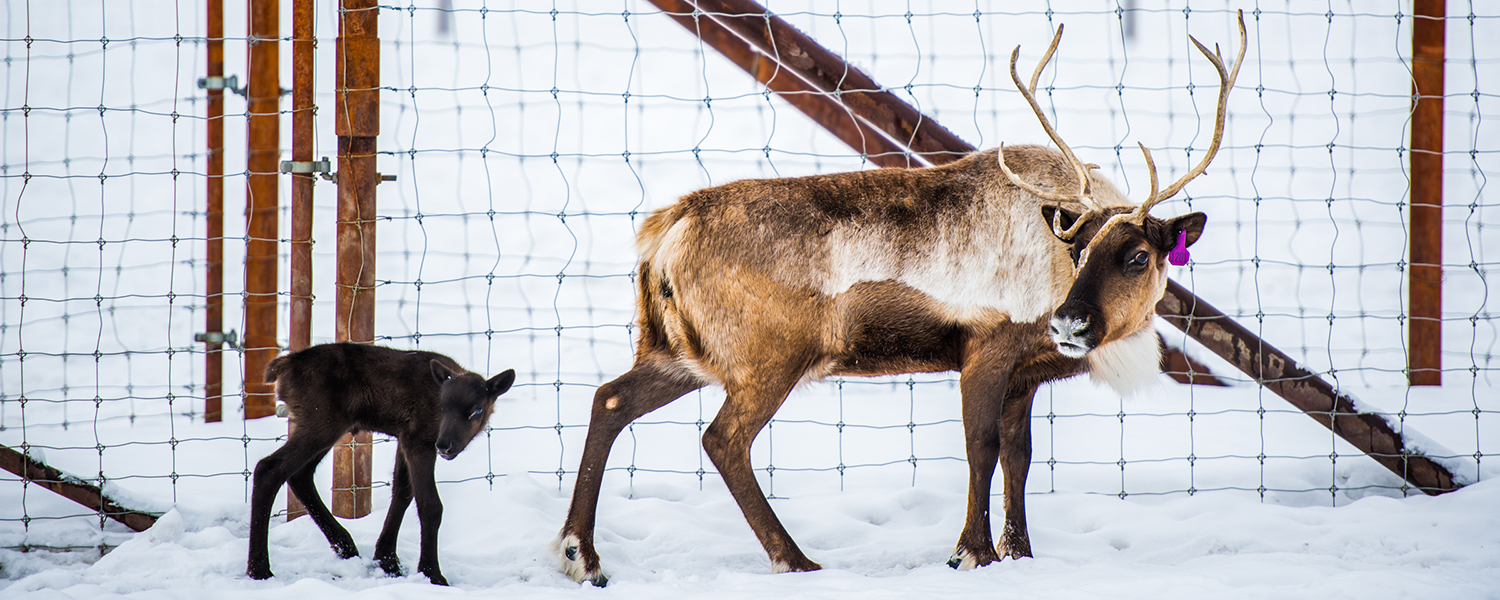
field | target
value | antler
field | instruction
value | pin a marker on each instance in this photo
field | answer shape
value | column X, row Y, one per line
column 1226, row 83
column 1078, row 167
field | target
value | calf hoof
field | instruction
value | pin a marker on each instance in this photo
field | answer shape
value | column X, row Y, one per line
column 258, row 572
column 575, row 562
column 436, row 577
column 345, row 549
column 390, row 565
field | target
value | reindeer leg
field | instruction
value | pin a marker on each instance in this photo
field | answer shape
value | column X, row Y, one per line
column 1015, row 463
column 983, row 385
column 646, row 387
column 270, row 473
column 727, row 441
column 302, row 485
column 419, row 459
column 401, row 494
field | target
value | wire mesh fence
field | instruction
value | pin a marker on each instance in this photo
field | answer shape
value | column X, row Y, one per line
column 529, row 141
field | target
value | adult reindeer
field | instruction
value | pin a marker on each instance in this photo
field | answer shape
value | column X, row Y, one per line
column 1014, row 266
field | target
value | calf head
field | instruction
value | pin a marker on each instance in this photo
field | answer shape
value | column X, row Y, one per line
column 1119, row 253
column 466, row 401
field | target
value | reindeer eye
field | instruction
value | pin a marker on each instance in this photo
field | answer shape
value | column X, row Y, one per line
column 1140, row 259
column 478, row 412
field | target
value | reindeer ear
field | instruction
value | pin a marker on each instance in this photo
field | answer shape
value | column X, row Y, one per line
column 1192, row 223
column 1060, row 218
column 440, row 372
column 500, row 384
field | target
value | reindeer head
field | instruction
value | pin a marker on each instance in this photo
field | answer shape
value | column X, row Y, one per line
column 1119, row 254
column 466, row 401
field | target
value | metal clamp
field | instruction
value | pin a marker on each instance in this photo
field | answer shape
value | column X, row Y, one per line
column 231, row 83
column 322, row 167
column 218, row 337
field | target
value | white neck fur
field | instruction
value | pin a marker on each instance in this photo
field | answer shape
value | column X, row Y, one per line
column 1127, row 365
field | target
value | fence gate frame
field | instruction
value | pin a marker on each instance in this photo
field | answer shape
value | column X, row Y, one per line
column 844, row 100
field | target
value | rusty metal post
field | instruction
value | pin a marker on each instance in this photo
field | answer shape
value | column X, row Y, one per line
column 263, row 158
column 357, row 123
column 1425, row 329
column 1370, row 433
column 213, row 356
column 299, row 325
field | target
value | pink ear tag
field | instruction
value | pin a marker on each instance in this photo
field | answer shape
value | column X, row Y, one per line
column 1179, row 256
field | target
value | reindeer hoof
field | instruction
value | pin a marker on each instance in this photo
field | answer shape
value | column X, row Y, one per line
column 799, row 565
column 574, row 561
column 437, row 578
column 964, row 560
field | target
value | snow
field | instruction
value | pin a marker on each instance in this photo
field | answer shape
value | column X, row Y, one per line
column 680, row 542
column 507, row 242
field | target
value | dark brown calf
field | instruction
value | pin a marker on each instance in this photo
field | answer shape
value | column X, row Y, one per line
column 425, row 400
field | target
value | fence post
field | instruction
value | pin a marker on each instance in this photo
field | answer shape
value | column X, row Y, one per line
column 213, row 356
column 357, row 123
column 263, row 158
column 299, row 325
column 1425, row 328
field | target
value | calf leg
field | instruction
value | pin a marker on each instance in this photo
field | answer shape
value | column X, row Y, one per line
column 727, row 441
column 302, row 485
column 1015, row 463
column 385, row 547
column 646, row 387
column 270, row 473
column 419, row 460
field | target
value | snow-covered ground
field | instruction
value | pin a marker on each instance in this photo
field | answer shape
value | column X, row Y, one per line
column 528, row 144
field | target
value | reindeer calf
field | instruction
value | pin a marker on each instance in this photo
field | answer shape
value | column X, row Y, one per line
column 425, row 400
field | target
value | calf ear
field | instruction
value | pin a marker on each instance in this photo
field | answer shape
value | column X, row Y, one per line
column 1060, row 218
column 441, row 373
column 1192, row 223
column 500, row 384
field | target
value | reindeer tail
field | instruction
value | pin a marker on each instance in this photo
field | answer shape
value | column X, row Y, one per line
column 277, row 366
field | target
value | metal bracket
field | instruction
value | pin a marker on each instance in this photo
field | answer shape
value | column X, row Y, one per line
column 231, row 83
column 218, row 337
column 321, row 167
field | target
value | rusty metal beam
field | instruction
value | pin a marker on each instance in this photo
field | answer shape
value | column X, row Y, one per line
column 774, row 51
column 73, row 488
column 1425, row 328
column 1365, row 431
column 299, row 322
column 822, row 108
column 213, row 356
column 263, row 158
column 357, row 123
column 1270, row 367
